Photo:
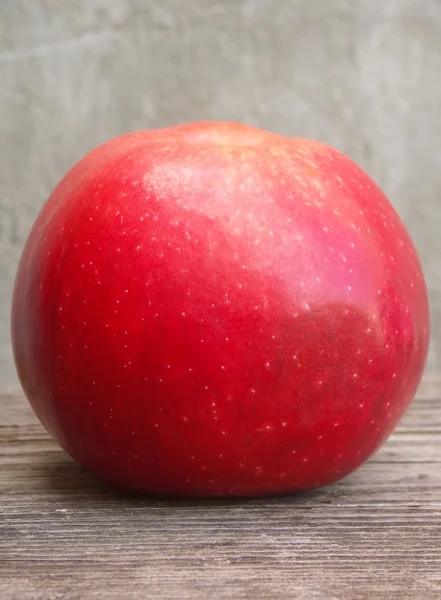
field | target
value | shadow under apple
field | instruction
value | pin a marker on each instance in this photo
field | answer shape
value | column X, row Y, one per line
column 69, row 484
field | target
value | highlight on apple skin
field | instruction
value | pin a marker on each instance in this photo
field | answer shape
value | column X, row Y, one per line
column 214, row 310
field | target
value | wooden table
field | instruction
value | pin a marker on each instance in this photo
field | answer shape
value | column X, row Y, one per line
column 377, row 534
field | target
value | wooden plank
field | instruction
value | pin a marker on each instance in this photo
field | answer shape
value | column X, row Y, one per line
column 376, row 534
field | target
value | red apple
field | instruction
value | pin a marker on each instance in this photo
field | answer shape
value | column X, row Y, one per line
column 214, row 310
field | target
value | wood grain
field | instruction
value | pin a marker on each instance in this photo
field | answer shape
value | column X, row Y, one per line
column 377, row 534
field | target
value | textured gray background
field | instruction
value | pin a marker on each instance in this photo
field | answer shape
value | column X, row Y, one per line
column 362, row 75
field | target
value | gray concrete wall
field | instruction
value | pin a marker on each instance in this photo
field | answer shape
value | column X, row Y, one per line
column 362, row 75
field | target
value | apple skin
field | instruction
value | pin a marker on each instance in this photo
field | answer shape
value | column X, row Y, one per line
column 214, row 310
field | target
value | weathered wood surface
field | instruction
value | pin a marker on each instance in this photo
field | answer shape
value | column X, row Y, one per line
column 377, row 534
